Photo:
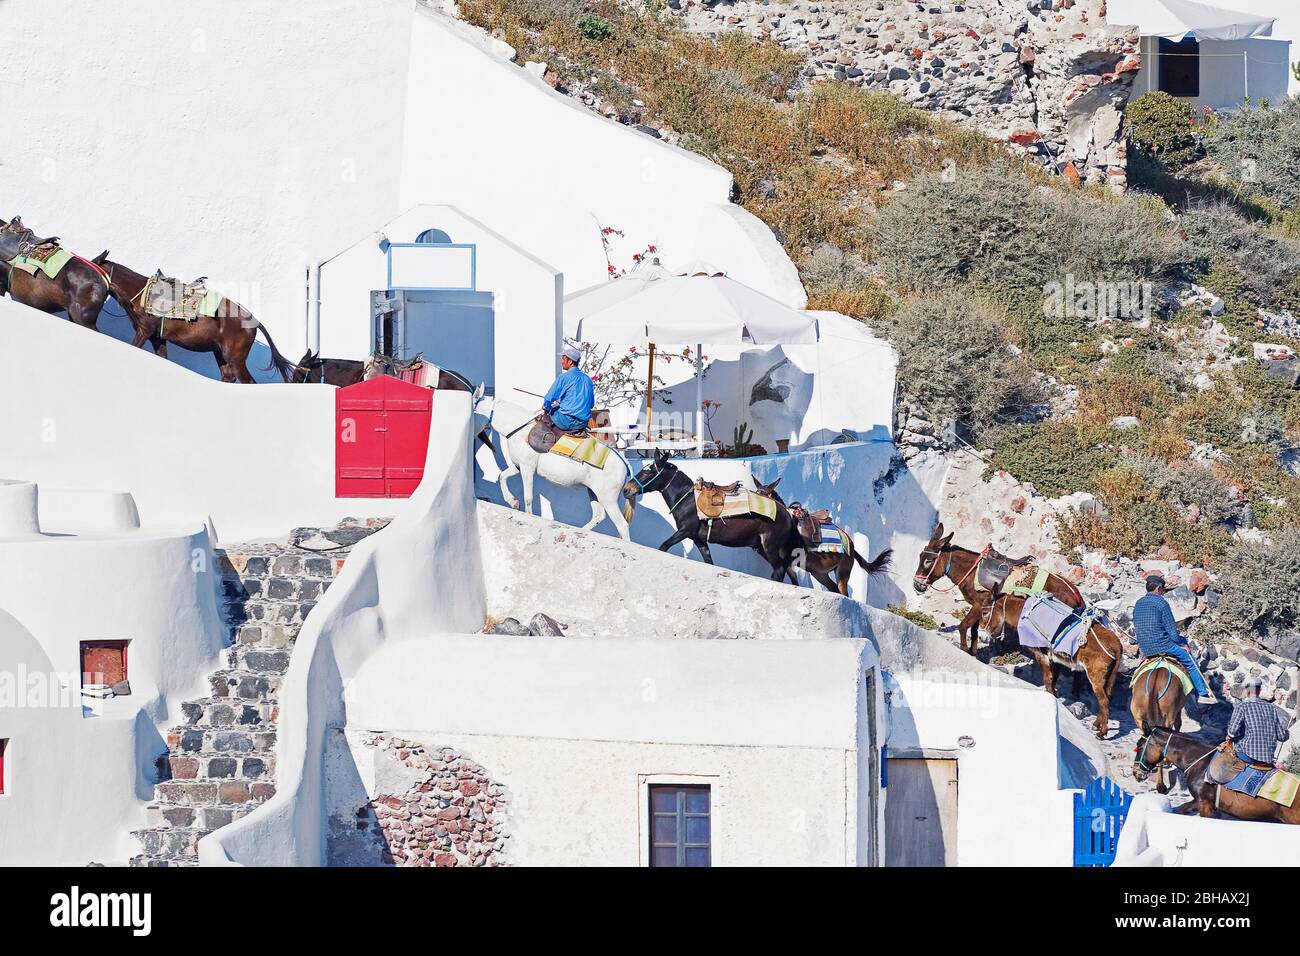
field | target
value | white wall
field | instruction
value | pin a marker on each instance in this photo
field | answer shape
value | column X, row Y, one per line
column 239, row 140
column 257, row 460
column 1225, row 80
column 526, row 296
column 421, row 575
column 575, row 726
column 487, row 136
column 1153, row 836
column 77, row 785
column 1011, row 770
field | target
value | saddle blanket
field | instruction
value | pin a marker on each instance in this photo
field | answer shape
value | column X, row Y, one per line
column 741, row 504
column 1025, row 581
column 1275, row 785
column 424, row 374
column 833, row 540
column 169, row 299
column 47, row 259
column 1153, row 664
column 588, row 450
column 1048, row 622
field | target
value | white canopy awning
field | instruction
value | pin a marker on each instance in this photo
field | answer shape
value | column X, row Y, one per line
column 692, row 308
column 1175, row 19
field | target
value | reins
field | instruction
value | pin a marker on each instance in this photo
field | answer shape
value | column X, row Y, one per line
column 949, row 550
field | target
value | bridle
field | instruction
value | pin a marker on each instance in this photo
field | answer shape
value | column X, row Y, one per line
column 927, row 580
column 1141, row 750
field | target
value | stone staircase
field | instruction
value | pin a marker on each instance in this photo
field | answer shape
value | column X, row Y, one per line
column 220, row 763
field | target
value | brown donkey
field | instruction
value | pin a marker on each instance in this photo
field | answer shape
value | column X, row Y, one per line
column 80, row 290
column 229, row 335
column 1193, row 757
column 1099, row 656
column 1157, row 701
column 941, row 558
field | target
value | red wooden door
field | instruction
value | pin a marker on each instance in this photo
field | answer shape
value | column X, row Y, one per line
column 381, row 437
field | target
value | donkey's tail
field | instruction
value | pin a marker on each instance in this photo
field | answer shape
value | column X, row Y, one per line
column 881, row 562
column 629, row 508
column 278, row 361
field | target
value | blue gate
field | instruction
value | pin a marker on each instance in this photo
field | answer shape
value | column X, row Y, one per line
column 1099, row 814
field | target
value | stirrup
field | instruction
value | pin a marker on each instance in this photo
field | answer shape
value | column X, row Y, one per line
column 1208, row 700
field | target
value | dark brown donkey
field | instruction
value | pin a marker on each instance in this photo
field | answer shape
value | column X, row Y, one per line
column 769, row 537
column 229, row 335
column 820, row 564
column 1193, row 757
column 1157, row 700
column 80, row 290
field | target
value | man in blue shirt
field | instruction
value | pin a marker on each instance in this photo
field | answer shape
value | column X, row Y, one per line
column 1157, row 634
column 570, row 400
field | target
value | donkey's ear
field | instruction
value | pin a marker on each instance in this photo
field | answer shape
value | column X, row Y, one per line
column 99, row 259
column 947, row 541
column 772, row 486
column 479, row 392
column 937, row 533
column 661, row 456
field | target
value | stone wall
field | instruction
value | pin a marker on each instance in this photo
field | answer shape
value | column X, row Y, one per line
column 432, row 806
column 1049, row 77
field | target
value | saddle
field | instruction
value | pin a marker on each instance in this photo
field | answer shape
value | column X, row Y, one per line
column 545, row 433
column 167, row 298
column 1163, row 662
column 711, row 499
column 18, row 240
column 994, row 569
column 809, row 524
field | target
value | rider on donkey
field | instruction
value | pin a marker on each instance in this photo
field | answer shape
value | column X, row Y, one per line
column 1158, row 636
column 567, row 405
column 1256, row 728
column 570, row 400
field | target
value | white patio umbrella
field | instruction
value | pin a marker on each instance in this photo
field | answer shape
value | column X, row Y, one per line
column 597, row 297
column 1175, row 19
column 689, row 308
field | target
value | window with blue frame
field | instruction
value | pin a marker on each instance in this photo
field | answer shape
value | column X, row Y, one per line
column 679, row 825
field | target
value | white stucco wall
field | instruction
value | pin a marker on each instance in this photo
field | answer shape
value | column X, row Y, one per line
column 77, row 785
column 575, row 728
column 1153, row 836
column 487, row 136
column 251, row 138
column 526, row 296
column 1011, row 767
column 256, row 460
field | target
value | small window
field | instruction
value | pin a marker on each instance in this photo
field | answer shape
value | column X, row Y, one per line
column 4, row 745
column 1180, row 67
column 431, row 236
column 103, row 664
column 679, row 826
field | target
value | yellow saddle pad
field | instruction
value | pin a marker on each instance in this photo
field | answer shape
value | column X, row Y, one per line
column 1281, row 787
column 1152, row 664
column 745, row 503
column 589, row 450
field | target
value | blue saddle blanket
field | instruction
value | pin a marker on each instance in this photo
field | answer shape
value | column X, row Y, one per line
column 1048, row 622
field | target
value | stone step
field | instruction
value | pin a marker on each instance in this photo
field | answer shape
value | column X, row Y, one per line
column 253, row 769
column 229, row 712
column 215, row 742
column 244, row 686
column 257, row 660
column 267, row 612
column 213, row 793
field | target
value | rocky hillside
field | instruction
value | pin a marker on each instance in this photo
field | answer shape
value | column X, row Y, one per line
column 1048, row 78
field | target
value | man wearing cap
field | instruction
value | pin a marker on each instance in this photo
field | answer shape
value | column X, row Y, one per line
column 570, row 400
column 1256, row 728
column 1158, row 636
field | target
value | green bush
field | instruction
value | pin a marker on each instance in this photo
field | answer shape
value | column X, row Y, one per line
column 919, row 618
column 995, row 228
column 1186, row 486
column 1258, row 149
column 1162, row 128
column 954, row 360
column 1260, row 588
column 1268, row 265
column 595, row 28
column 1055, row 457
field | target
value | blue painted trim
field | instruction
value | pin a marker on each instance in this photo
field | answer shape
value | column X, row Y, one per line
column 473, row 266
